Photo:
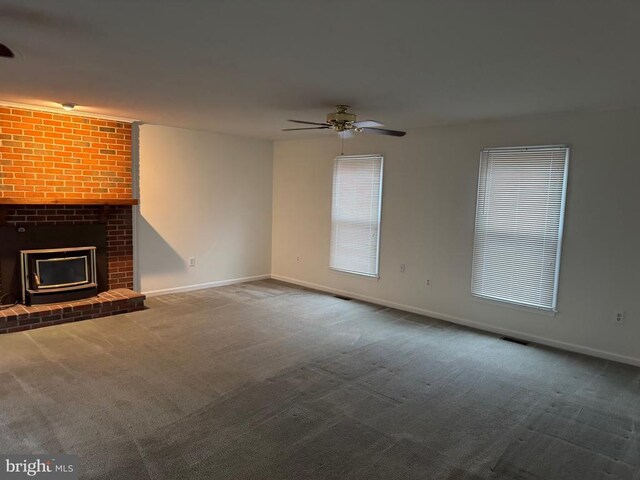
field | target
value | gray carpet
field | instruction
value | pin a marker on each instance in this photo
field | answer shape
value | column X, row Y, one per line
column 269, row 381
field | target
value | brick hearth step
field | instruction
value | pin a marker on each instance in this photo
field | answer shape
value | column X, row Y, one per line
column 111, row 302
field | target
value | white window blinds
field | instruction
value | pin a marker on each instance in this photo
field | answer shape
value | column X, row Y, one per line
column 355, row 214
column 519, row 216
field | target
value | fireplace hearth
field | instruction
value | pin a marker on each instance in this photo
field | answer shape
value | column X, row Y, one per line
column 83, row 262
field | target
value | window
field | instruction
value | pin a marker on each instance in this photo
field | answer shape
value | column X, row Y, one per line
column 519, row 216
column 355, row 214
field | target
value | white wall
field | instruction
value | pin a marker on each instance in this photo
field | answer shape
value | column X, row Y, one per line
column 428, row 209
column 202, row 195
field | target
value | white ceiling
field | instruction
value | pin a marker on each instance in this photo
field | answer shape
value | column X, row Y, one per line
column 244, row 67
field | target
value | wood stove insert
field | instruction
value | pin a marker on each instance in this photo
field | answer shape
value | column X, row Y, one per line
column 52, row 238
column 58, row 275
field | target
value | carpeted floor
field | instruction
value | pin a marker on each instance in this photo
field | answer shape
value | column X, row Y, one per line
column 265, row 380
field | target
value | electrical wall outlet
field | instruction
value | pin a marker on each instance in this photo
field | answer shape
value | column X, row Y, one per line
column 618, row 317
column 192, row 261
column 428, row 283
column 402, row 268
column 298, row 259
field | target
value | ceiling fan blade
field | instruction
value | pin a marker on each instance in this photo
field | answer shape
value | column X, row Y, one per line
column 309, row 123
column 368, row 123
column 305, row 128
column 384, row 131
column 6, row 51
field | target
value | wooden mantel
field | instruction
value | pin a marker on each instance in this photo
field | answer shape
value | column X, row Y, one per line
column 67, row 201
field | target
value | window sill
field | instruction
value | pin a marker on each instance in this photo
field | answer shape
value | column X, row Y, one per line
column 515, row 306
column 355, row 274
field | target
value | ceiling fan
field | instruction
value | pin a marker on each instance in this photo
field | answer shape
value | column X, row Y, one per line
column 346, row 125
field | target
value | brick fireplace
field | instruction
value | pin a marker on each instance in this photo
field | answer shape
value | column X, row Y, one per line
column 61, row 169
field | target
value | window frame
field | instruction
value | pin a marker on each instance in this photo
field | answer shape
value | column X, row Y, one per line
column 375, row 275
column 553, row 309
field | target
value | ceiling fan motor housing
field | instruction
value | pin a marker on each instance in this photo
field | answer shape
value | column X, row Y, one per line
column 340, row 119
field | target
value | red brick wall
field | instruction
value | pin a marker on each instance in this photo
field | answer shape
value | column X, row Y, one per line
column 57, row 155
column 119, row 232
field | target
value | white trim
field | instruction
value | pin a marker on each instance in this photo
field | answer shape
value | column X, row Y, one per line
column 526, row 148
column 563, row 206
column 135, row 211
column 526, row 307
column 201, row 286
column 379, row 216
column 375, row 276
column 572, row 347
column 366, row 276
column 60, row 110
column 514, row 306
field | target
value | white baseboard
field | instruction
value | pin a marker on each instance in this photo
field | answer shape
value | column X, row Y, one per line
column 200, row 286
column 470, row 323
